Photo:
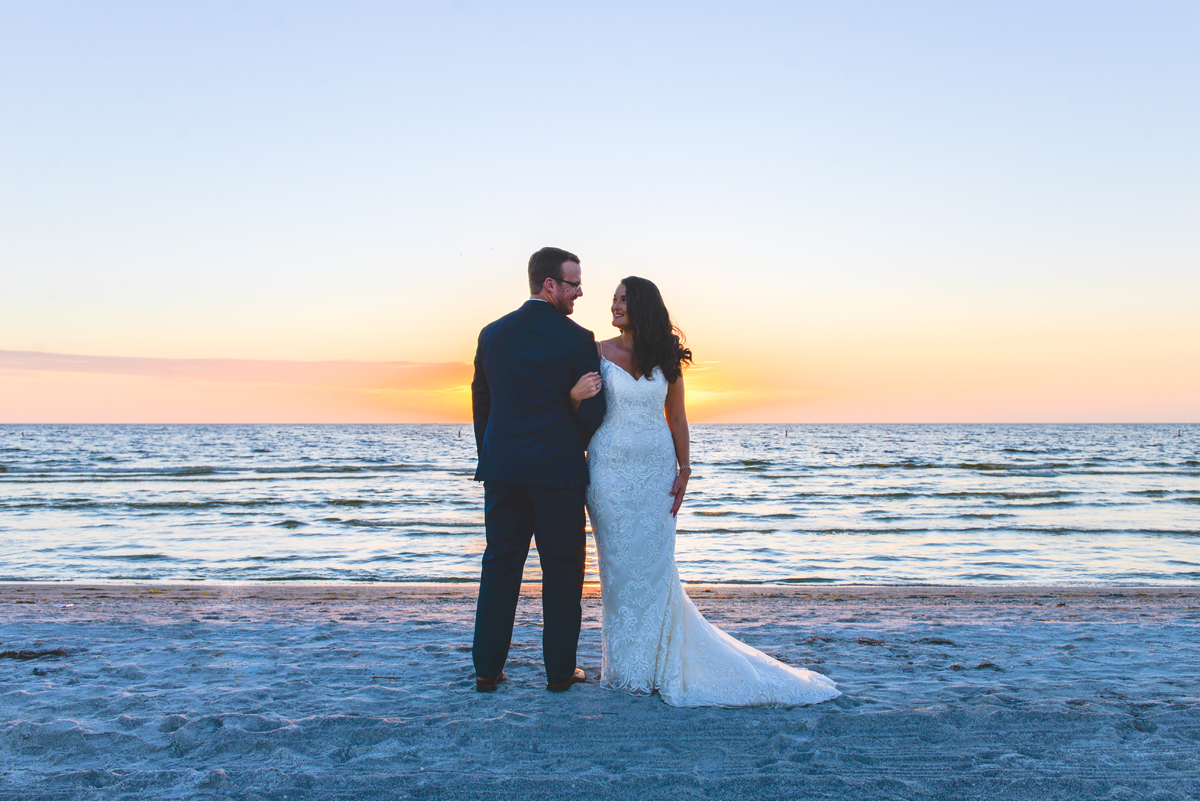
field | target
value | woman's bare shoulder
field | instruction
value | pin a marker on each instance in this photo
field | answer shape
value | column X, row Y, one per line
column 611, row 345
column 614, row 344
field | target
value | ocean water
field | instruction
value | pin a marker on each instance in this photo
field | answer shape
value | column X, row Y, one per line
column 873, row 504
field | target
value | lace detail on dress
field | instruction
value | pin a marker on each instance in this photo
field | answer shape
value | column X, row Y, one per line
column 653, row 636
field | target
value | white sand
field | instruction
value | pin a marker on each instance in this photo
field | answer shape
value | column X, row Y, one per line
column 365, row 691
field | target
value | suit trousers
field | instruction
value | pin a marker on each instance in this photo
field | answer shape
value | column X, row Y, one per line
column 513, row 514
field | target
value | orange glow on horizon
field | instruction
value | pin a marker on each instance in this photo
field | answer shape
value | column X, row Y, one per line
column 835, row 387
column 83, row 389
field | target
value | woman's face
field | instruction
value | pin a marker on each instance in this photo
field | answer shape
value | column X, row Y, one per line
column 620, row 309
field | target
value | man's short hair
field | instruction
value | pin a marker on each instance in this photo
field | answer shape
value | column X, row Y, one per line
column 547, row 263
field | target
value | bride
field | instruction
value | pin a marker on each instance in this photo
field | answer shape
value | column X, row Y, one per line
column 654, row 637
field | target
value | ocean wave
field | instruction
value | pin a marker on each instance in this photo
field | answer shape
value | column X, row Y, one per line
column 1008, row 495
column 397, row 556
column 763, row 475
column 90, row 472
column 895, row 466
column 347, row 468
column 814, row 531
column 1128, row 472
column 807, row 580
column 998, row 468
column 84, row 472
column 185, row 505
column 1141, row 575
column 268, row 559
column 320, row 576
column 1055, row 531
column 411, row 523
column 77, row 504
column 686, row 531
column 134, row 557
column 1058, row 531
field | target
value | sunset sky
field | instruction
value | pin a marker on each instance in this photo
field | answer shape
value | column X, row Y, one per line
column 858, row 212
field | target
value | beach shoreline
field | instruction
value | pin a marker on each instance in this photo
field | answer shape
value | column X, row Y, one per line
column 328, row 690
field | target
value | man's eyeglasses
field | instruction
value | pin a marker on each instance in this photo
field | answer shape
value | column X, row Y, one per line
column 576, row 285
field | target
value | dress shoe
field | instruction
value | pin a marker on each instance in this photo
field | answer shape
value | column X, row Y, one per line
column 563, row 686
column 489, row 685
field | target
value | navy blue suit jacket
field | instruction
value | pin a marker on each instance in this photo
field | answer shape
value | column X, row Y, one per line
column 525, row 366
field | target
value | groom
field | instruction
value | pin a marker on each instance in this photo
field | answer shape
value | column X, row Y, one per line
column 531, row 462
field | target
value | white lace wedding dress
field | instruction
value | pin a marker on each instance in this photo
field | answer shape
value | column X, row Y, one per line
column 654, row 637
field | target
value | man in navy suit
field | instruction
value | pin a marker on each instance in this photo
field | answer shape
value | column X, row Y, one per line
column 531, row 459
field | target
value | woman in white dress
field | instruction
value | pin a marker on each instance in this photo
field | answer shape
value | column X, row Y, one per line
column 654, row 637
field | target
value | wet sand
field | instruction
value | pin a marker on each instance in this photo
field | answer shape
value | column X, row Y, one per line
column 304, row 691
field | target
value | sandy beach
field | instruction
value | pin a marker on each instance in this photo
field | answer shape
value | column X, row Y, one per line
column 285, row 691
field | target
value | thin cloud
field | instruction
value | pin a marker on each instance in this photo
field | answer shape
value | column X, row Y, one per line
column 348, row 374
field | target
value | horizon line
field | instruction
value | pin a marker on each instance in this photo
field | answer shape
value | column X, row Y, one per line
column 721, row 423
